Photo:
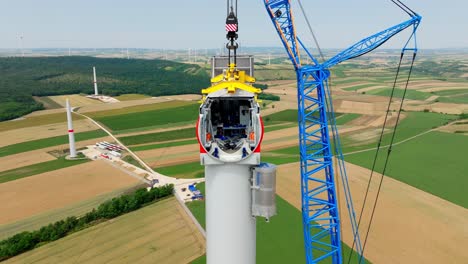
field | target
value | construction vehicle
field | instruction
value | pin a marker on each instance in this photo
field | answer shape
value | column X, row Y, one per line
column 321, row 218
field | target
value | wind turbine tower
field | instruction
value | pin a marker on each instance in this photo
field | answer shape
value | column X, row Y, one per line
column 95, row 82
column 71, row 132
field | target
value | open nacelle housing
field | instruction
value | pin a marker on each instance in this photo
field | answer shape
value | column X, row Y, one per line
column 230, row 127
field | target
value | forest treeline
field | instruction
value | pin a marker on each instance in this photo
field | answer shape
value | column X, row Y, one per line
column 22, row 78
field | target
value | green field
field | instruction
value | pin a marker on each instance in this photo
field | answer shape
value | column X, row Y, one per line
column 165, row 145
column 48, row 142
column 138, row 109
column 360, row 86
column 451, row 92
column 130, row 97
column 158, row 117
column 60, row 163
column 279, row 241
column 398, row 93
column 414, row 124
column 345, row 118
column 435, row 162
column 159, row 137
column 188, row 170
column 455, row 99
column 279, row 127
column 130, row 159
column 282, row 116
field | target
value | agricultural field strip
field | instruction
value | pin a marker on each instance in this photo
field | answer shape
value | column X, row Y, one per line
column 75, row 100
column 59, row 188
column 36, row 156
column 152, row 118
column 130, row 97
column 48, row 142
column 24, row 159
column 38, row 120
column 138, row 108
column 38, row 168
column 156, row 232
column 25, row 134
column 402, row 141
column 77, row 209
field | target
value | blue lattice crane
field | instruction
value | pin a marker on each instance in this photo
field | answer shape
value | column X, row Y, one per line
column 321, row 221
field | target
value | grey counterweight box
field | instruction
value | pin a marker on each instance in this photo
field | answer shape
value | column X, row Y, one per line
column 264, row 190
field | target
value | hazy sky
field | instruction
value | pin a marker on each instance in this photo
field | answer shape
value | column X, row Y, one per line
column 200, row 23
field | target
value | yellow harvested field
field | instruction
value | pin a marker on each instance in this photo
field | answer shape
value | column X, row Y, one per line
column 455, row 127
column 46, row 112
column 24, row 159
column 158, row 233
column 14, row 136
column 76, row 100
column 183, row 97
column 55, row 189
column 36, row 120
column 446, row 108
column 410, row 226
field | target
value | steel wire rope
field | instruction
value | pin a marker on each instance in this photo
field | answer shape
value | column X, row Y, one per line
column 379, row 143
column 311, row 30
column 389, row 151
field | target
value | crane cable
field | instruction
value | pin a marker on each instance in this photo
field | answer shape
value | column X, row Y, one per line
column 388, row 154
column 311, row 30
column 411, row 13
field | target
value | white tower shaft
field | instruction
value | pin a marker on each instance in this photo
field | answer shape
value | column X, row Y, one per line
column 230, row 226
column 71, row 132
column 95, row 82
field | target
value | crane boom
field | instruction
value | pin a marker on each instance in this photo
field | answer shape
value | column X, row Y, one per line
column 321, row 221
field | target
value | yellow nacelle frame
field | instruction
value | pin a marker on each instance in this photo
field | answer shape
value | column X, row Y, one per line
column 231, row 80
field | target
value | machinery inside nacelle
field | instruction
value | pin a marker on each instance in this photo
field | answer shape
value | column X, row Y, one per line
column 230, row 123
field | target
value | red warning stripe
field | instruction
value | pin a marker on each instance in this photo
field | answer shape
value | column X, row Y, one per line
column 71, row 131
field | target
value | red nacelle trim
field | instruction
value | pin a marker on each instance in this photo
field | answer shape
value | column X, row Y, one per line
column 202, row 149
column 258, row 149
